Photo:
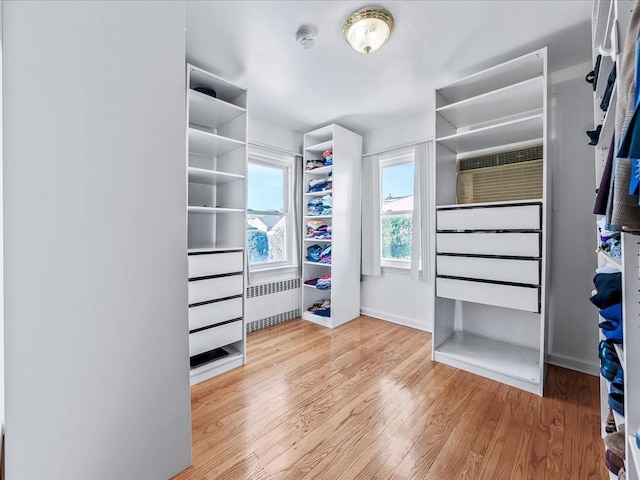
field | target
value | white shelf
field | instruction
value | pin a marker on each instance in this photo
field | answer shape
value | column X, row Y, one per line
column 225, row 90
column 311, row 217
column 507, row 73
column 210, row 144
column 212, row 177
column 608, row 259
column 328, row 290
column 505, row 133
column 314, row 240
column 195, row 209
column 203, row 372
column 317, row 263
column 317, row 194
column 472, row 352
column 211, row 112
column 319, row 170
column 324, row 321
column 507, row 101
column 320, row 147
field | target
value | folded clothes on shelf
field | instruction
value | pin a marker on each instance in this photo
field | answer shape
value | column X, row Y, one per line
column 321, row 184
column 318, row 229
column 608, row 289
column 320, row 206
column 319, row 253
column 322, row 283
column 325, row 161
column 321, row 308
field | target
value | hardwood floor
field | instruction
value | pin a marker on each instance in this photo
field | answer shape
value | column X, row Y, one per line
column 365, row 401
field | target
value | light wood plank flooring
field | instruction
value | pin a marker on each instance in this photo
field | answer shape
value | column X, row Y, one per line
column 365, row 401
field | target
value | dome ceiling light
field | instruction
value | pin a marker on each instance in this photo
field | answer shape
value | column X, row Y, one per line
column 367, row 29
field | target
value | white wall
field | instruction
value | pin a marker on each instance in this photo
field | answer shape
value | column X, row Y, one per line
column 268, row 133
column 572, row 320
column 97, row 382
column 394, row 296
column 573, row 329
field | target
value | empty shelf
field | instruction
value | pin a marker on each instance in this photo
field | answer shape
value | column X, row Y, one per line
column 212, row 177
column 210, row 144
column 211, row 112
column 488, row 355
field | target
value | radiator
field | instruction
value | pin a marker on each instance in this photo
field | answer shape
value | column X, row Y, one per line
column 272, row 303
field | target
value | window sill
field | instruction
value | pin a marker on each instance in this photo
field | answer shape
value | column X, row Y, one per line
column 396, row 270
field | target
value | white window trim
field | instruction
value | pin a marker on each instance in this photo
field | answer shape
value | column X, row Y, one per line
column 392, row 159
column 267, row 270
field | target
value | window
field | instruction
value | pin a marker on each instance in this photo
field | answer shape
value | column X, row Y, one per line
column 269, row 216
column 396, row 208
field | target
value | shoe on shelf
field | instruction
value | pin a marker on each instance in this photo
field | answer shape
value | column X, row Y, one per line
column 616, row 401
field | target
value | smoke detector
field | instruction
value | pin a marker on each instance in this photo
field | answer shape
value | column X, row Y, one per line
column 305, row 37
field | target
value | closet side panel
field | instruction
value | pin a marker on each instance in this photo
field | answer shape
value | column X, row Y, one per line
column 97, row 370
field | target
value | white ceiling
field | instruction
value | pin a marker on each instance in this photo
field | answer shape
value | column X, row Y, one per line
column 252, row 43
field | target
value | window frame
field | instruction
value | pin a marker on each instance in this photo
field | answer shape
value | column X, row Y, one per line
column 287, row 165
column 393, row 159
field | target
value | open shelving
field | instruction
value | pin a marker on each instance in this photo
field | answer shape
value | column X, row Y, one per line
column 216, row 210
column 490, row 275
column 344, row 221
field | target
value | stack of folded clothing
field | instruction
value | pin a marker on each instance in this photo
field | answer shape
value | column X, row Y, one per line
column 321, row 184
column 314, row 163
column 319, row 254
column 325, row 161
column 608, row 298
column 320, row 206
column 318, row 229
column 322, row 283
column 328, row 157
column 321, row 308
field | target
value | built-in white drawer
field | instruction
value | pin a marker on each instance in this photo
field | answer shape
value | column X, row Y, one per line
column 499, row 269
column 211, row 313
column 202, row 265
column 215, row 337
column 214, row 288
column 517, row 217
column 520, row 298
column 481, row 243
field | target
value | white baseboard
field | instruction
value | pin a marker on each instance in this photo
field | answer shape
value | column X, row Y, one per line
column 573, row 364
column 389, row 317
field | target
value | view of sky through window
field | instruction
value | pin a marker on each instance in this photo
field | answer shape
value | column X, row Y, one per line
column 397, row 181
column 265, row 186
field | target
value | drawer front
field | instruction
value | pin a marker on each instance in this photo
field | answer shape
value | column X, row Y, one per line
column 214, row 288
column 519, row 217
column 508, row 296
column 505, row 244
column 203, row 265
column 212, row 313
column 498, row 269
column 215, row 337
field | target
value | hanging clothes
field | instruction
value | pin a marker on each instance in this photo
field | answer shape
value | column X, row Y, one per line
column 624, row 207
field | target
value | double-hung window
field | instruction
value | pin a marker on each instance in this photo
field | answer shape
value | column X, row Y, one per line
column 396, row 208
column 269, row 213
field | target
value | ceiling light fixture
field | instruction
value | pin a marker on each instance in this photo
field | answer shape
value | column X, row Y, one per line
column 367, row 29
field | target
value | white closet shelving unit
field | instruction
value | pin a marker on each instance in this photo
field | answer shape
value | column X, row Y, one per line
column 344, row 220
column 216, row 175
column 610, row 19
column 490, row 276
